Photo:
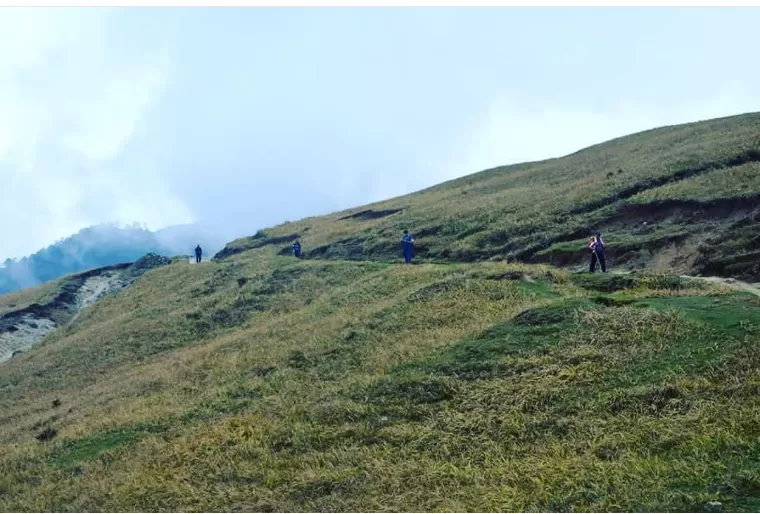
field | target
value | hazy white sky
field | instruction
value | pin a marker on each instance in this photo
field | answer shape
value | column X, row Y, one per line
column 246, row 117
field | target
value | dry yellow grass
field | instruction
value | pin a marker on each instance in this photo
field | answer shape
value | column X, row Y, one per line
column 336, row 393
column 265, row 383
column 21, row 299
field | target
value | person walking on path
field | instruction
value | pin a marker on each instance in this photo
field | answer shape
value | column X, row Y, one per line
column 596, row 246
column 408, row 242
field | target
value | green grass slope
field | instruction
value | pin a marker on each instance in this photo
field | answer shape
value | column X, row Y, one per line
column 350, row 382
column 682, row 198
column 270, row 384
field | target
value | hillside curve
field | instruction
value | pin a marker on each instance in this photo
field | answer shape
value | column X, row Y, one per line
column 683, row 199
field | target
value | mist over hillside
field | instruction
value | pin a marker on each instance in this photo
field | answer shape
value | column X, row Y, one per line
column 103, row 245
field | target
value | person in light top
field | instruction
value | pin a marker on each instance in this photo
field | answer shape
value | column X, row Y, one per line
column 596, row 246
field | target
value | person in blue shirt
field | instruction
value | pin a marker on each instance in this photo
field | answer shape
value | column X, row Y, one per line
column 408, row 242
column 297, row 249
column 198, row 253
column 596, row 246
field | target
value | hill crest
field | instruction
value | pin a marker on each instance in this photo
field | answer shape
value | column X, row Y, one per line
column 664, row 198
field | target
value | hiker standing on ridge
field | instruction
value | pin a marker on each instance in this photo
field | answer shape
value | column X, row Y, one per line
column 198, row 254
column 596, row 247
column 297, row 249
column 408, row 242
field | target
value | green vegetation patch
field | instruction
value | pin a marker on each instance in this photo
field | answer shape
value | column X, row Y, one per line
column 78, row 451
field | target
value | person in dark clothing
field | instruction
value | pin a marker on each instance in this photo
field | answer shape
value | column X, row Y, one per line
column 198, row 254
column 408, row 242
column 596, row 246
column 297, row 249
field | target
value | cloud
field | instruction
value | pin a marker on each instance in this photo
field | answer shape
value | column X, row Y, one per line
column 243, row 118
column 516, row 128
column 73, row 95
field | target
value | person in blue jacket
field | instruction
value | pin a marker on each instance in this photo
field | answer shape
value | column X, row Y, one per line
column 408, row 242
column 297, row 249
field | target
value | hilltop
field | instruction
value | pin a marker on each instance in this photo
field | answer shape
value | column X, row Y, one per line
column 482, row 378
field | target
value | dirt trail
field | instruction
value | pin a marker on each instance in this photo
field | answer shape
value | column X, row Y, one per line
column 730, row 282
column 94, row 289
column 28, row 331
column 22, row 329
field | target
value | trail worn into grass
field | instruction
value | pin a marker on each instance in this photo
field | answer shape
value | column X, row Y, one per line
column 730, row 282
column 22, row 329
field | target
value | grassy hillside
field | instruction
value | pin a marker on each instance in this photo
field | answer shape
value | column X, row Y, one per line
column 350, row 382
column 683, row 198
column 21, row 299
column 271, row 384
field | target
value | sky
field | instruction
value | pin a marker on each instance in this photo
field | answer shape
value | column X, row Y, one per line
column 242, row 118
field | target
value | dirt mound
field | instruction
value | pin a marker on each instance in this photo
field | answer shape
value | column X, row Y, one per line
column 150, row 261
column 144, row 264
